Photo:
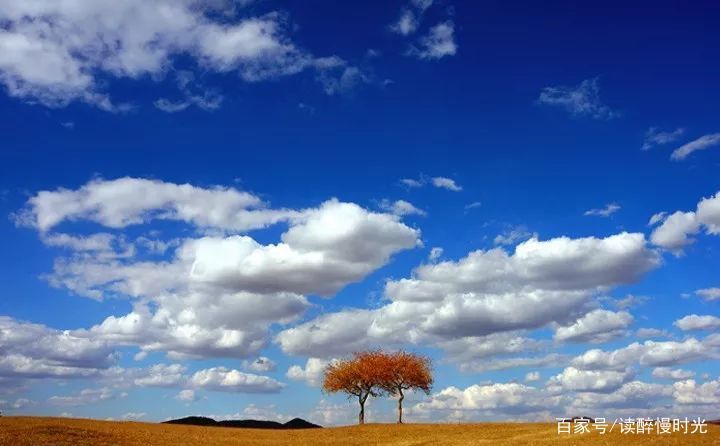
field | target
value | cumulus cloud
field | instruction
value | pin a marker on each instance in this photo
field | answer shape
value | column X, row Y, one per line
column 475, row 353
column 162, row 375
column 649, row 353
column 214, row 295
column 497, row 398
column 676, row 231
column 670, row 373
column 689, row 392
column 311, row 374
column 580, row 100
column 484, row 293
column 36, row 351
column 446, row 183
column 595, row 327
column 709, row 294
column 655, row 137
column 695, row 322
column 262, row 365
column 632, row 396
column 54, row 54
column 573, row 379
column 186, row 395
column 132, row 201
column 230, row 380
column 607, row 211
column 702, row 143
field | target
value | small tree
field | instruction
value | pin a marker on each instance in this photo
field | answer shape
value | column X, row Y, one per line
column 357, row 377
column 405, row 371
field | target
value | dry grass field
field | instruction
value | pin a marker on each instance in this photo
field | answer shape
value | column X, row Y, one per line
column 18, row 431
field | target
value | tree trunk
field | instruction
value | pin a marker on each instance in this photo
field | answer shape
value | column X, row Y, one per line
column 361, row 417
column 400, row 401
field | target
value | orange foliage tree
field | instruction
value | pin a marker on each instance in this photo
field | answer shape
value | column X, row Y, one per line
column 372, row 373
column 403, row 371
column 357, row 377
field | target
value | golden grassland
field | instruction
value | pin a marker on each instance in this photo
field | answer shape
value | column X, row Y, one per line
column 19, row 431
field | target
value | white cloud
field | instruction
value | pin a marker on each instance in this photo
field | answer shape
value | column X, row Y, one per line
column 483, row 293
column 192, row 92
column 473, row 205
column 186, row 395
column 574, row 379
column 474, row 353
column 580, row 100
column 162, row 375
column 669, row 373
column 333, row 334
column 690, row 393
column 55, row 53
column 655, row 137
column 227, row 380
column 131, row 201
column 215, row 295
column 632, row 395
column 36, row 351
column 709, row 294
column 261, row 364
column 94, row 242
column 507, row 398
column 517, row 362
column 85, row 397
column 607, row 211
column 410, row 17
column 702, row 143
column 657, row 218
column 412, row 183
column 439, row 42
column 311, row 374
column 695, row 322
column 676, row 230
column 133, row 415
column 595, row 327
column 435, row 253
column 532, row 377
column 649, row 353
column 400, row 208
column 652, row 333
column 513, row 235
column 446, row 183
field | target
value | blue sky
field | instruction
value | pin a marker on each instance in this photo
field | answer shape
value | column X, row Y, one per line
column 526, row 194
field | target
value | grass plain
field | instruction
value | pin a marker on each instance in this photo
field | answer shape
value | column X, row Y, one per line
column 21, row 431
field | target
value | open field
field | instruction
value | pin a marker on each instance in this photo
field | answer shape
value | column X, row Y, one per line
column 18, row 431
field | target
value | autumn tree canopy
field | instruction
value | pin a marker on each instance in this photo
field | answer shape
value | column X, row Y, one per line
column 405, row 371
column 375, row 372
column 357, row 377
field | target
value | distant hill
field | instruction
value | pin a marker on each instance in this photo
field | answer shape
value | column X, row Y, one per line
column 295, row 423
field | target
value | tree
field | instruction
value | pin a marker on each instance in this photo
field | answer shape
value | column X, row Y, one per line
column 401, row 371
column 357, row 376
